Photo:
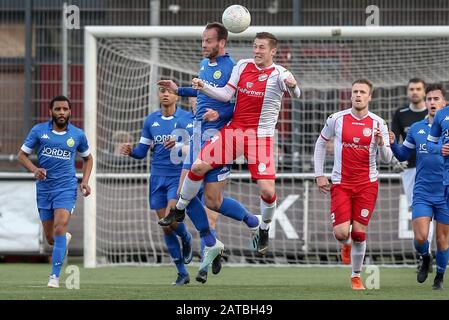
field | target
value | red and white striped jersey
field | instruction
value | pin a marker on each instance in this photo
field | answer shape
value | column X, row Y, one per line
column 259, row 96
column 355, row 146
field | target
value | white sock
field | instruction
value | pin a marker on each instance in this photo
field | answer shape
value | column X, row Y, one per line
column 189, row 190
column 357, row 256
column 430, row 236
column 267, row 210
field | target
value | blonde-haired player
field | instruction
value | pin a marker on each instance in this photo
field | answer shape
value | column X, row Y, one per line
column 358, row 136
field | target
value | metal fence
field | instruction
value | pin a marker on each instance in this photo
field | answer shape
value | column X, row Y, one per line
column 31, row 54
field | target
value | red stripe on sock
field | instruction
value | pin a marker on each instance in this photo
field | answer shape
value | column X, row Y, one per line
column 194, row 177
column 269, row 201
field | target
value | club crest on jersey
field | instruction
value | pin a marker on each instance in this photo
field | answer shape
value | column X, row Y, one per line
column 262, row 77
column 249, row 85
column 217, row 75
column 367, row 132
column 262, row 167
column 70, row 142
column 356, row 139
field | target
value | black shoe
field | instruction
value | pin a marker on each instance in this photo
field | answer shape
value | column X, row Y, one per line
column 201, row 276
column 438, row 282
column 181, row 280
column 174, row 215
column 423, row 271
column 216, row 264
column 187, row 251
column 419, row 266
column 262, row 244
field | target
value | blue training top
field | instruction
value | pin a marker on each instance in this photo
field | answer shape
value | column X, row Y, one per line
column 157, row 129
column 429, row 166
column 215, row 74
column 56, row 152
column 439, row 135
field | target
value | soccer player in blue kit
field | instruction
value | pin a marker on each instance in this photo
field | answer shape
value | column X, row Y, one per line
column 157, row 134
column 57, row 142
column 211, row 116
column 185, row 137
column 430, row 198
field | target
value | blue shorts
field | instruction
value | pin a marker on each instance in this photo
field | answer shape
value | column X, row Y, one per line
column 214, row 175
column 436, row 209
column 162, row 190
column 48, row 202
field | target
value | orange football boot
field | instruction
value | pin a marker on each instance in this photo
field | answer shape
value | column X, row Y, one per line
column 357, row 284
column 346, row 253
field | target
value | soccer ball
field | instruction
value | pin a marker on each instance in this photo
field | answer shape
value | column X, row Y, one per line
column 236, row 18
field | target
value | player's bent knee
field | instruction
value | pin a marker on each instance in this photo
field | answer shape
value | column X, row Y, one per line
column 199, row 169
column 358, row 236
column 212, row 203
column 420, row 238
column 442, row 242
column 268, row 195
column 442, row 245
column 60, row 230
column 341, row 235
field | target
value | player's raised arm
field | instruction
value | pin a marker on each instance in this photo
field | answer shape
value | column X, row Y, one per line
column 402, row 151
column 168, row 84
column 290, row 83
column 180, row 91
column 434, row 136
column 383, row 142
column 221, row 94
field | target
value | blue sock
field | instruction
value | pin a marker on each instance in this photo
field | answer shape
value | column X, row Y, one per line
column 181, row 231
column 423, row 249
column 208, row 238
column 442, row 257
column 233, row 209
column 197, row 213
column 251, row 220
column 174, row 249
column 214, row 233
column 58, row 256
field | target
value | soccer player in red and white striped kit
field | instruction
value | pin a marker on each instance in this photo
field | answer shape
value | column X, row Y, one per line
column 358, row 136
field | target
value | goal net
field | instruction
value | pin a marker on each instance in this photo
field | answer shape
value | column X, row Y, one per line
column 122, row 65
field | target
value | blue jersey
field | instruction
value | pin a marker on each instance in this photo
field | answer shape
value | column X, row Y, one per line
column 186, row 124
column 439, row 135
column 429, row 167
column 157, row 129
column 215, row 74
column 56, row 152
column 188, row 130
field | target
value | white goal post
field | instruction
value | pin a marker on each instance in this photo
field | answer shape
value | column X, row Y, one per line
column 121, row 65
